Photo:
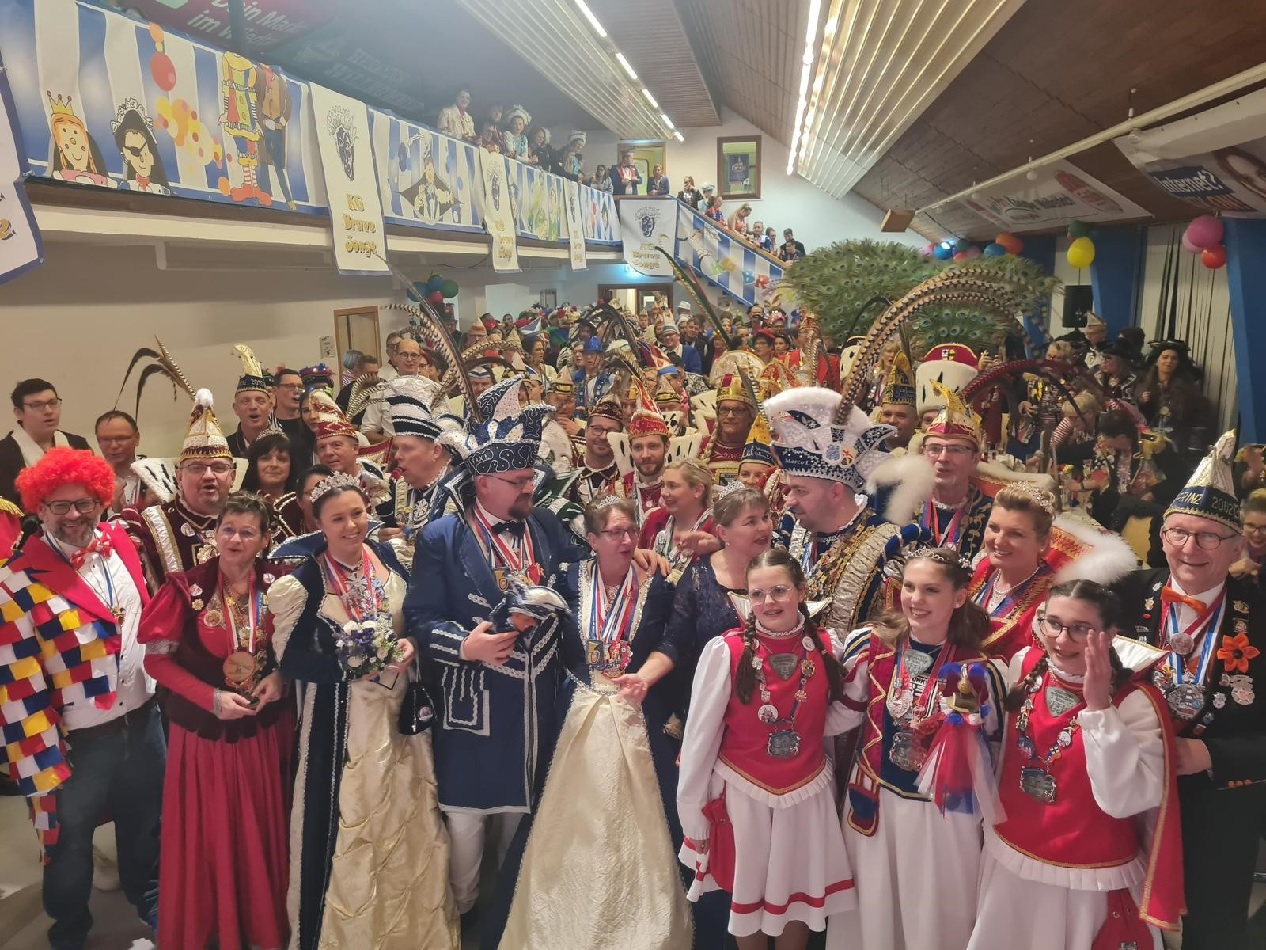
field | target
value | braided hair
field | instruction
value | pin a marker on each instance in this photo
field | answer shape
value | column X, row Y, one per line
column 745, row 677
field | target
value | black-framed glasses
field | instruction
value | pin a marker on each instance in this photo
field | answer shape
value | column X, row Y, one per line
column 1053, row 627
column 1205, row 540
column 518, row 484
column 201, row 468
column 85, row 506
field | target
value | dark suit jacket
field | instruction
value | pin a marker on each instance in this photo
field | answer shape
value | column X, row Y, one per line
column 11, row 462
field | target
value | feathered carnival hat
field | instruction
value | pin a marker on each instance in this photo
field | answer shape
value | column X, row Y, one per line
column 205, row 439
column 647, row 419
column 899, row 386
column 952, row 365
column 807, row 441
column 758, row 448
column 734, row 387
column 253, row 378
column 317, row 377
column 509, row 438
column 1210, row 492
column 415, row 405
column 330, row 420
column 610, row 407
column 956, row 420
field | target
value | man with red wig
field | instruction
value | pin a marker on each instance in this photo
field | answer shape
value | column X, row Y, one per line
column 82, row 734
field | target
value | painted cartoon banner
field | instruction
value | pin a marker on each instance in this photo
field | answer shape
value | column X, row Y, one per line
column 597, row 211
column 1214, row 160
column 577, row 253
column 647, row 225
column 267, row 23
column 538, row 212
column 425, row 178
column 20, row 244
column 109, row 101
column 739, row 270
column 499, row 215
column 351, row 181
column 1060, row 194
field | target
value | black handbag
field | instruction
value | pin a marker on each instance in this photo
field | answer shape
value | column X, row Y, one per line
column 417, row 714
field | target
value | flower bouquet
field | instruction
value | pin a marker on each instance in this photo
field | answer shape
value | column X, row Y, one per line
column 367, row 647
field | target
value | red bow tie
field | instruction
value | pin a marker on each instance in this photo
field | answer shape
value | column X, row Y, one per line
column 1171, row 597
column 99, row 544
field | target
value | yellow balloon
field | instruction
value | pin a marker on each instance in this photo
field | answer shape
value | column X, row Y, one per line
column 1081, row 253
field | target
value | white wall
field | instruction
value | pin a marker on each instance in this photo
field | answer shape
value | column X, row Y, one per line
column 787, row 201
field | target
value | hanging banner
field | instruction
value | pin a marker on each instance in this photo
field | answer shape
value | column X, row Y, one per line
column 426, row 179
column 575, row 227
column 20, row 244
column 267, row 24
column 599, row 216
column 108, row 101
column 536, row 215
column 1215, row 160
column 648, row 224
column 735, row 267
column 1061, row 194
column 499, row 215
column 347, row 160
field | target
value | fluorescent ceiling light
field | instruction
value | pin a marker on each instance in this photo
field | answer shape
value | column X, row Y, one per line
column 678, row 136
column 879, row 66
column 627, row 68
column 593, row 20
column 810, row 38
column 667, row 121
column 649, row 98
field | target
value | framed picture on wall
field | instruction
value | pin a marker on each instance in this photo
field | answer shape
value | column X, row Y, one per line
column 646, row 155
column 738, row 166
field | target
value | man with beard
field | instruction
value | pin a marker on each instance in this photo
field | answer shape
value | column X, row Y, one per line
column 252, row 403
column 497, row 688
column 648, row 446
column 179, row 532
column 1211, row 629
column 83, row 737
column 736, row 411
column 598, row 473
column 831, row 527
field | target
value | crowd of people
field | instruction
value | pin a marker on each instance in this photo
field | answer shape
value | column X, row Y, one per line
column 651, row 620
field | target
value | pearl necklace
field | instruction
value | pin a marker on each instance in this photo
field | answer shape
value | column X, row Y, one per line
column 780, row 634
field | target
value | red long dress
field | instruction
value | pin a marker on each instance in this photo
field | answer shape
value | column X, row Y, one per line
column 226, row 798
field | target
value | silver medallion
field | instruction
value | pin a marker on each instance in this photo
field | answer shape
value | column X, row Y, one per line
column 767, row 714
column 1185, row 700
column 808, row 643
column 1038, row 784
column 784, row 664
column 783, row 744
column 1182, row 644
column 906, row 752
column 900, row 703
column 917, row 663
column 1059, row 701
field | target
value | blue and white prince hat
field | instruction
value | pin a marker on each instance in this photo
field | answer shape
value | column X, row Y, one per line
column 509, row 437
column 808, row 441
column 416, row 407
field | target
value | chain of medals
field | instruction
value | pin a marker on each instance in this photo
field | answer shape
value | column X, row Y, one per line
column 678, row 560
column 1036, row 779
column 357, row 587
column 823, row 573
column 246, row 655
column 1182, row 677
column 514, row 555
column 610, row 612
column 784, row 741
column 105, row 596
column 932, row 518
column 911, row 704
column 997, row 603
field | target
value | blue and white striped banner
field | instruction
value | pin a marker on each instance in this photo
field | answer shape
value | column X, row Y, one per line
column 719, row 257
column 426, row 179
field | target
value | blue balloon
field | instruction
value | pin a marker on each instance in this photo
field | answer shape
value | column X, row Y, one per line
column 995, row 250
column 943, row 253
column 436, row 282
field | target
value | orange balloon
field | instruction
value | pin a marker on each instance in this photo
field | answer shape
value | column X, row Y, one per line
column 156, row 34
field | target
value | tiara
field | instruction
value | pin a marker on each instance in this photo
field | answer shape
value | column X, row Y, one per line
column 335, row 482
column 895, row 568
column 604, row 501
column 1043, row 499
column 729, row 488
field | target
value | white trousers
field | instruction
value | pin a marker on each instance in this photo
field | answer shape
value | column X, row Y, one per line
column 468, row 832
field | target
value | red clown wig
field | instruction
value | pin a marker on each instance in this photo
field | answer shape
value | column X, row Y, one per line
column 62, row 466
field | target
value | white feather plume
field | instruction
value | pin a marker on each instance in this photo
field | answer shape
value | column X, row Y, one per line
column 204, row 398
column 911, row 478
column 1106, row 558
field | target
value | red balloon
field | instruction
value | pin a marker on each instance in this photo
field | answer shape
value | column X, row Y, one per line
column 961, row 256
column 1010, row 242
column 435, row 297
column 163, row 71
column 1214, row 257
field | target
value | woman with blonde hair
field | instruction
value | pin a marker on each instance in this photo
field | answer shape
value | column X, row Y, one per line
column 682, row 528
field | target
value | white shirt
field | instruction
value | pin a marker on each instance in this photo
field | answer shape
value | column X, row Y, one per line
column 134, row 686
column 1186, row 615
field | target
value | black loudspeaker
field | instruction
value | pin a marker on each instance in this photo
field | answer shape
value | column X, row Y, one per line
column 1079, row 299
